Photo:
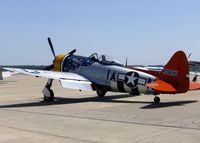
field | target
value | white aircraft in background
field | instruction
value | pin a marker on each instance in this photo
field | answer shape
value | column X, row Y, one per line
column 4, row 74
column 194, row 67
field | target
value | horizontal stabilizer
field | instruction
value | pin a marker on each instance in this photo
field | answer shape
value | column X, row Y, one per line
column 161, row 86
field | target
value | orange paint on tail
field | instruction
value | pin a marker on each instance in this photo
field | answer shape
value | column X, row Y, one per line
column 174, row 78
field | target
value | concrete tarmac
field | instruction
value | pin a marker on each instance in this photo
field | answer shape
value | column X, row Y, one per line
column 81, row 117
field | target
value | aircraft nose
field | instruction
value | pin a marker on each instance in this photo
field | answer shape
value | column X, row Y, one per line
column 57, row 63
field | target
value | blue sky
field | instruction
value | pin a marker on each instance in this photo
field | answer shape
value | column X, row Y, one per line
column 145, row 31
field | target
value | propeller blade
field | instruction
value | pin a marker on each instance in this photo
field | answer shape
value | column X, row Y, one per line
column 73, row 51
column 51, row 46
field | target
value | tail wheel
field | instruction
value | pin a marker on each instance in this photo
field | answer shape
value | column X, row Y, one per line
column 101, row 93
column 156, row 99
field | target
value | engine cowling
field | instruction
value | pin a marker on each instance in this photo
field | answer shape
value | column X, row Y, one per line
column 58, row 62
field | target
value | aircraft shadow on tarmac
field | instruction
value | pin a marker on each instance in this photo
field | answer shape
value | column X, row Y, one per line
column 110, row 99
column 168, row 104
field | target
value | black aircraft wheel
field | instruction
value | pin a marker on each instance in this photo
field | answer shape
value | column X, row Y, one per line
column 101, row 93
column 51, row 98
column 156, row 99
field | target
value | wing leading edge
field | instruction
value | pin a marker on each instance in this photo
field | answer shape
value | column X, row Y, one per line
column 67, row 79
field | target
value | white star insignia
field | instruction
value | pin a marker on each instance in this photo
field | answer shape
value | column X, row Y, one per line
column 131, row 79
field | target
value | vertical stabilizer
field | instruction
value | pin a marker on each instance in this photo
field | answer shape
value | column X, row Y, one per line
column 176, row 72
column 174, row 78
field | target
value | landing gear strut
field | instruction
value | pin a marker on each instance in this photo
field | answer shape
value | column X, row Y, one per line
column 48, row 92
column 156, row 99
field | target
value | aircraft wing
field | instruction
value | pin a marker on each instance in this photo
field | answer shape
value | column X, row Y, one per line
column 195, row 73
column 194, row 86
column 67, row 79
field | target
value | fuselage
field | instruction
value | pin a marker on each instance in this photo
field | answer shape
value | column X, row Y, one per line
column 108, row 75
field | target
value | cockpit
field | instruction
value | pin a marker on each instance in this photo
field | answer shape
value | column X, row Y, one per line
column 104, row 59
column 73, row 62
column 94, row 57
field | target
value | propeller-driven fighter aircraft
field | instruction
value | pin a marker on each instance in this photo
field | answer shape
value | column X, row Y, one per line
column 194, row 67
column 103, row 74
column 4, row 74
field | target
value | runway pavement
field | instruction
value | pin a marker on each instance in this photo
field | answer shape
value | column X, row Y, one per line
column 77, row 117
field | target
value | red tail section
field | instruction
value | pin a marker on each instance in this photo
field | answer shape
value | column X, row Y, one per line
column 174, row 78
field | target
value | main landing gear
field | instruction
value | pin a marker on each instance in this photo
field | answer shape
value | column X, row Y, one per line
column 48, row 92
column 156, row 99
column 101, row 93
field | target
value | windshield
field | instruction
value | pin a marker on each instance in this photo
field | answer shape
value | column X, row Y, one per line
column 107, row 59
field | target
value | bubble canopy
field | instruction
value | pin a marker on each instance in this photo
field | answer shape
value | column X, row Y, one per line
column 106, row 59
